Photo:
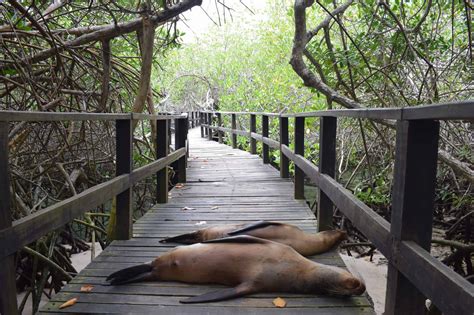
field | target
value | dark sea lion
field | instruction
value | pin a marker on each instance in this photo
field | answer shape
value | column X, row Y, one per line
column 246, row 263
column 306, row 244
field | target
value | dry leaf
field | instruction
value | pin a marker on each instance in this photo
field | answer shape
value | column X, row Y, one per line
column 68, row 303
column 187, row 208
column 279, row 302
column 214, row 208
column 179, row 186
column 201, row 223
column 87, row 288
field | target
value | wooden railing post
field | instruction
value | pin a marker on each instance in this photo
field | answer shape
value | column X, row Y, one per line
column 206, row 122
column 180, row 135
column 299, row 149
column 8, row 304
column 201, row 122
column 233, row 127
column 219, row 124
column 265, row 149
column 412, row 206
column 327, row 165
column 162, row 149
column 253, row 128
column 123, row 148
column 193, row 123
column 284, row 162
column 209, row 119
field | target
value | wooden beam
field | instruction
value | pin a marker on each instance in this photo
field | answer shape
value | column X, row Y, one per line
column 253, row 128
column 412, row 206
column 162, row 150
column 265, row 149
column 8, row 304
column 299, row 149
column 327, row 165
column 124, row 164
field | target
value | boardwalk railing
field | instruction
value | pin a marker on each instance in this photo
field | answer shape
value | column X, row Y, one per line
column 14, row 235
column 413, row 273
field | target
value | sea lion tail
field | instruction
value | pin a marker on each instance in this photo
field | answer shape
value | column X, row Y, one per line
column 188, row 238
column 131, row 274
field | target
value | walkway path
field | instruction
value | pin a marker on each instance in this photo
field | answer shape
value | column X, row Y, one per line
column 224, row 185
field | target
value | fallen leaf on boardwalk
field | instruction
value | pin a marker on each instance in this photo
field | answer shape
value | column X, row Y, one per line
column 179, row 186
column 68, row 303
column 187, row 208
column 279, row 302
column 201, row 223
column 215, row 208
column 87, row 288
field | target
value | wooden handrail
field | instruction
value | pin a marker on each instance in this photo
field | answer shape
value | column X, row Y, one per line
column 413, row 273
column 16, row 234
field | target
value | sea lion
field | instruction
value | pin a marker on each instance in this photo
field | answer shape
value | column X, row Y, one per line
column 246, row 263
column 306, row 244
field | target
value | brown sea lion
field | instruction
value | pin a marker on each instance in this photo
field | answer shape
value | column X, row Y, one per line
column 246, row 263
column 306, row 244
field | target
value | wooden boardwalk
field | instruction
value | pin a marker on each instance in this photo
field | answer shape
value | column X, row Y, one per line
column 224, row 185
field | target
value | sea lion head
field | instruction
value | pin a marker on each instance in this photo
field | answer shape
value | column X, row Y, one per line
column 337, row 281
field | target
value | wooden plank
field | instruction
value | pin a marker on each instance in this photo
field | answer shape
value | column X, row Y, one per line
column 412, row 203
column 8, row 304
column 327, row 165
column 162, row 150
column 299, row 149
column 124, row 165
column 451, row 110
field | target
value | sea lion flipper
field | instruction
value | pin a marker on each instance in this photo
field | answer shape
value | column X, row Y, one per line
column 131, row 274
column 188, row 238
column 253, row 226
column 220, row 295
column 244, row 239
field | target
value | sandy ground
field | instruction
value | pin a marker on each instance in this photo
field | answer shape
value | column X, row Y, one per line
column 374, row 274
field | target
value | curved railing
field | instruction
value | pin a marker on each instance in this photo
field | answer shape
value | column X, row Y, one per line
column 413, row 273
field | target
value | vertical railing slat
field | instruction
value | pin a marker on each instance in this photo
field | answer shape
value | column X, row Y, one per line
column 253, row 128
column 181, row 131
column 299, row 149
column 201, row 122
column 412, row 206
column 327, row 165
column 284, row 162
column 8, row 304
column 234, row 136
column 209, row 122
column 162, row 150
column 219, row 124
column 265, row 148
column 123, row 140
